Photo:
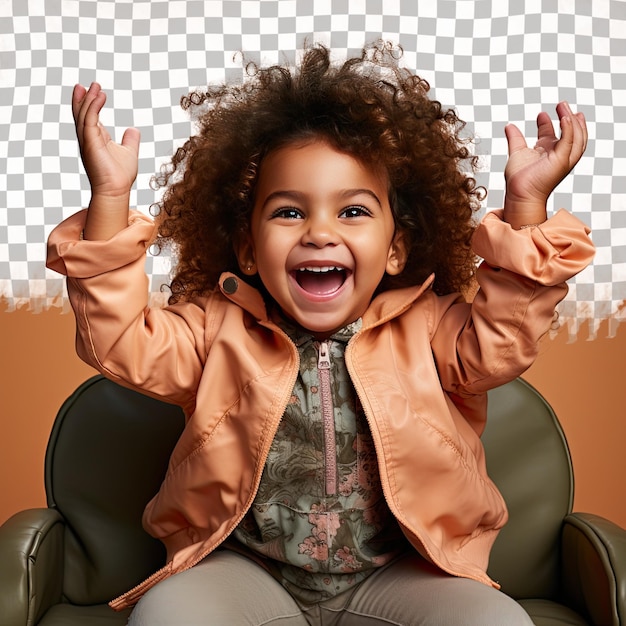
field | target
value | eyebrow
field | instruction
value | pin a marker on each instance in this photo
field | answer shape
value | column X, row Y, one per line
column 342, row 195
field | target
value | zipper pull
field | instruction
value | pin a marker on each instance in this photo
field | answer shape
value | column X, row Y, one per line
column 323, row 359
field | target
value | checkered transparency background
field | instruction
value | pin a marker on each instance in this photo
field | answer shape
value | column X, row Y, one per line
column 494, row 60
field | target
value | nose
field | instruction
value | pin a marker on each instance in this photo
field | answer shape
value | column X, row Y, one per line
column 320, row 231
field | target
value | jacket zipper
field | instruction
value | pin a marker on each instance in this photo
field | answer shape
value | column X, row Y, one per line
column 328, row 419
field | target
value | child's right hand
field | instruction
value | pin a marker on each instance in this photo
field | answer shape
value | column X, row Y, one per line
column 111, row 167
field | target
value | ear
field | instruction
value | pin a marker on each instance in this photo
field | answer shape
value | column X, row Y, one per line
column 397, row 255
column 244, row 250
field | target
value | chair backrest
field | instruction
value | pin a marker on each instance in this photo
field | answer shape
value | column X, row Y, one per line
column 528, row 459
column 110, row 446
column 106, row 457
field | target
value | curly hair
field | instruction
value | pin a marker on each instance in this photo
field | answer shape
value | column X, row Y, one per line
column 368, row 107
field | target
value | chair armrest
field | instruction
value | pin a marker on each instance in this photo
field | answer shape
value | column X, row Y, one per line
column 593, row 567
column 31, row 565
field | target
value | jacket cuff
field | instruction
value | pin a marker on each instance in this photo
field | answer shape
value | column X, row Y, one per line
column 550, row 253
column 72, row 256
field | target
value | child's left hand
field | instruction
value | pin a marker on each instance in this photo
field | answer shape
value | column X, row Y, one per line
column 531, row 174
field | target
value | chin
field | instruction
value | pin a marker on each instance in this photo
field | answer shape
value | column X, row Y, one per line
column 323, row 331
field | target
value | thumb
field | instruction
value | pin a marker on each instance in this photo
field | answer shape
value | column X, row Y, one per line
column 514, row 138
column 131, row 139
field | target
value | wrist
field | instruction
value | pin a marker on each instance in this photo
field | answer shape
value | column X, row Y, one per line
column 110, row 201
column 524, row 214
column 106, row 216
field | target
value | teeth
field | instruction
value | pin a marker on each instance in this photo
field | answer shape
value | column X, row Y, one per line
column 327, row 268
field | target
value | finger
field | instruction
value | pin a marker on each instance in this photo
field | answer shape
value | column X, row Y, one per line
column 82, row 106
column 78, row 94
column 78, row 97
column 94, row 101
column 568, row 149
column 88, row 126
column 581, row 135
column 515, row 139
column 579, row 124
column 131, row 139
column 573, row 134
column 545, row 129
column 583, row 124
column 579, row 142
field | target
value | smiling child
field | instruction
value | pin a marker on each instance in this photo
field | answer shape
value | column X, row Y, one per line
column 333, row 377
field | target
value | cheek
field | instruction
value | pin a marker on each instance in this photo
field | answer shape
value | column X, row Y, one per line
column 373, row 249
column 270, row 254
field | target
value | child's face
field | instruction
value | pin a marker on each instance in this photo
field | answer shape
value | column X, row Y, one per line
column 322, row 235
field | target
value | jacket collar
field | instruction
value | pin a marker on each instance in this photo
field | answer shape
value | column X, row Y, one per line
column 384, row 307
column 394, row 302
column 242, row 294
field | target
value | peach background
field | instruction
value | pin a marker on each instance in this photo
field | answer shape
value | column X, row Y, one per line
column 583, row 380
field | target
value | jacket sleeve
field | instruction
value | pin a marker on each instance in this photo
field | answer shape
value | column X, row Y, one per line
column 521, row 279
column 160, row 351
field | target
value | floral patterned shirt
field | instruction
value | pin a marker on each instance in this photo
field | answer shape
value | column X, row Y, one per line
column 319, row 518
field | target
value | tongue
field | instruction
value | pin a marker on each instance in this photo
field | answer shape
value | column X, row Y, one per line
column 320, row 283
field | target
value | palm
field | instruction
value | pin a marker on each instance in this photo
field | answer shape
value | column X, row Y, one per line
column 111, row 167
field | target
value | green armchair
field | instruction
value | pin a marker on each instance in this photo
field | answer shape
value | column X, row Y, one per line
column 107, row 455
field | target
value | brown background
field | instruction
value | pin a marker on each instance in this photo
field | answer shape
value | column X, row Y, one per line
column 583, row 380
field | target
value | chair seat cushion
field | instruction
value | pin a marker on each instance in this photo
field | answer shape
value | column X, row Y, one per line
column 547, row 613
column 96, row 615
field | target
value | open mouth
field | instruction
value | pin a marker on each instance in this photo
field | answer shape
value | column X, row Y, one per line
column 321, row 281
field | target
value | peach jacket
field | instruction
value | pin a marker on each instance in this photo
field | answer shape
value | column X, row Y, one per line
column 421, row 366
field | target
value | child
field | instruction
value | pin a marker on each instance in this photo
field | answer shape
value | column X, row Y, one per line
column 333, row 379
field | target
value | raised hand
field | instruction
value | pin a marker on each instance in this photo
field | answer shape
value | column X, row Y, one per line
column 111, row 167
column 531, row 174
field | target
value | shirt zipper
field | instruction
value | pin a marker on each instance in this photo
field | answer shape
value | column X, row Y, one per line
column 328, row 419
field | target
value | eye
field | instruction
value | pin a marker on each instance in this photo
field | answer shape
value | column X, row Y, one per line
column 287, row 213
column 355, row 211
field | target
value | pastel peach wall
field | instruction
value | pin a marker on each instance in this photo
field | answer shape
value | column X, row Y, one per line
column 39, row 369
column 584, row 381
